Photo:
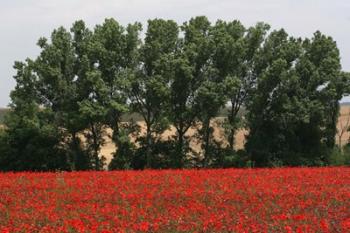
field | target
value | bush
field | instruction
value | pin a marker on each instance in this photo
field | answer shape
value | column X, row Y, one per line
column 123, row 158
column 346, row 155
column 340, row 157
column 31, row 149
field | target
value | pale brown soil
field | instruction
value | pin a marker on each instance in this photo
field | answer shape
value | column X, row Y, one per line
column 109, row 147
column 343, row 124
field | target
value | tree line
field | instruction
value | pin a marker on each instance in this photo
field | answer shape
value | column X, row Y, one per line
column 84, row 81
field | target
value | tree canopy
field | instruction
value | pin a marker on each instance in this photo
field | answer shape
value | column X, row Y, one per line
column 85, row 80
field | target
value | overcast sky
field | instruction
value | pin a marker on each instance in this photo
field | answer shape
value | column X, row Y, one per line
column 24, row 21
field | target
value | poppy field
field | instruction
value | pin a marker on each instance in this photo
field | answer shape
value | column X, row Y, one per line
column 217, row 200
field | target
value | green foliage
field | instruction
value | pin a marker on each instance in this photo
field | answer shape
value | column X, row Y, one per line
column 284, row 90
column 346, row 156
column 148, row 86
column 3, row 112
column 31, row 146
column 293, row 112
column 235, row 49
column 339, row 157
column 125, row 155
column 30, row 140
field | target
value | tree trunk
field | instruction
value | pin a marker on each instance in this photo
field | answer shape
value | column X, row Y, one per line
column 148, row 145
column 340, row 142
column 233, row 114
column 115, row 135
column 333, row 125
column 232, row 139
column 95, row 147
column 206, row 129
column 179, row 151
column 72, row 161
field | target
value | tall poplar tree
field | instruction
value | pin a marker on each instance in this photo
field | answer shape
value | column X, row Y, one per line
column 149, row 88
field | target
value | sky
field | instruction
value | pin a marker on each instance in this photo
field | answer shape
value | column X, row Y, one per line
column 23, row 22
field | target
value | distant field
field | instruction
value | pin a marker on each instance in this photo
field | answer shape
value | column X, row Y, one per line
column 240, row 137
column 343, row 121
column 109, row 147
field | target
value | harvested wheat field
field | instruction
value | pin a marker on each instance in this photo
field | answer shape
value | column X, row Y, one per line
column 342, row 137
column 343, row 134
column 343, row 123
column 109, row 147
